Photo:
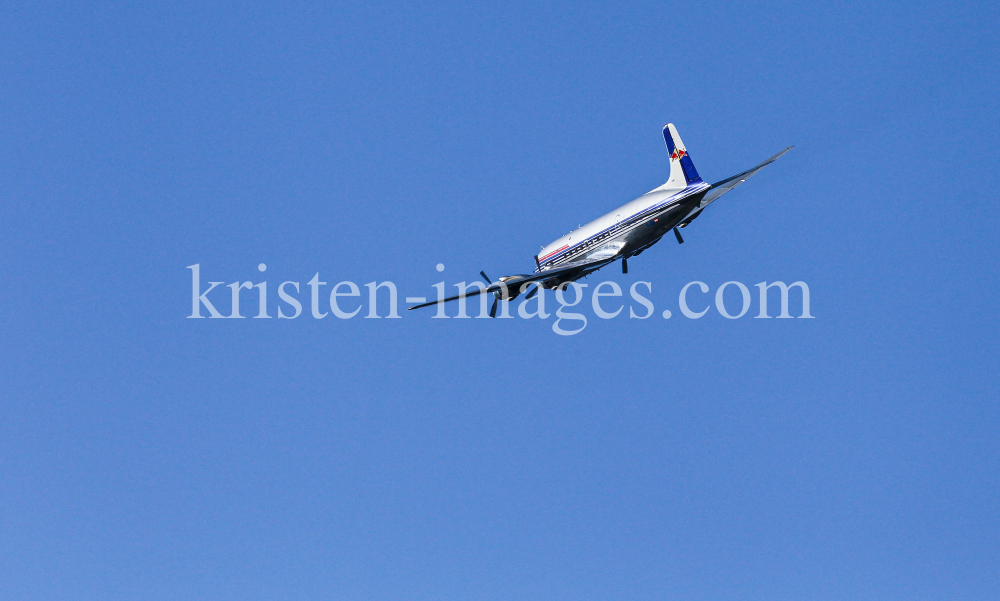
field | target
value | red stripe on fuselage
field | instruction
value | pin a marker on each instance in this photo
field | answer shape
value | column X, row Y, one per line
column 553, row 252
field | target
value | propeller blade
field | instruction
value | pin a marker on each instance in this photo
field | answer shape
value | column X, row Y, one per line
column 485, row 277
column 625, row 265
column 493, row 309
column 532, row 293
column 677, row 233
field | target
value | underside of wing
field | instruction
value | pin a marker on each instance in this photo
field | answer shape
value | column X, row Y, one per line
column 720, row 188
column 511, row 286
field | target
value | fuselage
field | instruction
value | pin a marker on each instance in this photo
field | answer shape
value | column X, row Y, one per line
column 627, row 230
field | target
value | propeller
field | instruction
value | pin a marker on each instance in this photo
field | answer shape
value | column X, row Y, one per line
column 499, row 295
column 677, row 233
column 625, row 265
column 496, row 299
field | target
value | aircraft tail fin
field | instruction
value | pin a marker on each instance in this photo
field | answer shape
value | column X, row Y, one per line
column 682, row 171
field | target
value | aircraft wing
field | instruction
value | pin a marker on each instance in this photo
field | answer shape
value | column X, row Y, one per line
column 514, row 283
column 720, row 188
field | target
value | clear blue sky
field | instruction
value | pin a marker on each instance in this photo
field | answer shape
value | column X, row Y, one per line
column 144, row 455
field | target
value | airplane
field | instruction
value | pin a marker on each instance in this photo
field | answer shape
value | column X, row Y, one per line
column 621, row 234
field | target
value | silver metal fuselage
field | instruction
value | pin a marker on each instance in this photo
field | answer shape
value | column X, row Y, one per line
column 626, row 231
